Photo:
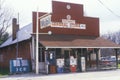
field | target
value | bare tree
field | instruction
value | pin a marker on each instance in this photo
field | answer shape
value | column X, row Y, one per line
column 5, row 21
column 5, row 18
column 115, row 37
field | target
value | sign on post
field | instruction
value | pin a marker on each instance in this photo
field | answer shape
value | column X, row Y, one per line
column 45, row 21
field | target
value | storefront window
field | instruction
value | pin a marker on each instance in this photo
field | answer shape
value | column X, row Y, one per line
column 66, row 54
column 58, row 53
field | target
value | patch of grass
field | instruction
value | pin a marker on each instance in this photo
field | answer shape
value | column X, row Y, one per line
column 118, row 66
column 4, row 72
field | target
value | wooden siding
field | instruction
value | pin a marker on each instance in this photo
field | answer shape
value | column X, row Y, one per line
column 60, row 12
column 9, row 53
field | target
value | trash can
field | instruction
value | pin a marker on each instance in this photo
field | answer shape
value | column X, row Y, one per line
column 60, row 70
column 73, row 68
column 52, row 69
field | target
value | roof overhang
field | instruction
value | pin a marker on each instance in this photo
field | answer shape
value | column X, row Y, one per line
column 47, row 47
column 75, row 41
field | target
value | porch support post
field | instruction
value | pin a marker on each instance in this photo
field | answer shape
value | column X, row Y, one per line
column 46, row 61
column 33, row 53
column 97, row 58
column 76, row 53
column 116, row 54
column 33, row 47
column 89, row 58
column 41, row 54
column 85, row 52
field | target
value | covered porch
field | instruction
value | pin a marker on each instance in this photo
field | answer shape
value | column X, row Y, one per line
column 70, row 53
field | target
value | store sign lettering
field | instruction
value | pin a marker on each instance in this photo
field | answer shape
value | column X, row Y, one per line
column 65, row 21
column 68, row 24
column 21, row 69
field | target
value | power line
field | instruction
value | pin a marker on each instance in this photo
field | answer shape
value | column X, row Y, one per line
column 108, row 8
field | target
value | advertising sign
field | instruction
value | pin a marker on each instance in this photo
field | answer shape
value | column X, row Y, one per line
column 82, row 26
column 19, row 66
column 69, row 24
column 16, row 63
column 45, row 22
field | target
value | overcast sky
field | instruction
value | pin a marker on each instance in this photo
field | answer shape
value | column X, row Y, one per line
column 109, row 22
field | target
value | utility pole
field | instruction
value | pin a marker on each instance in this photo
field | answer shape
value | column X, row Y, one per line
column 37, row 38
column 37, row 45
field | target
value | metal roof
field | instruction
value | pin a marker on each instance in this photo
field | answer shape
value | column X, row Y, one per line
column 23, row 34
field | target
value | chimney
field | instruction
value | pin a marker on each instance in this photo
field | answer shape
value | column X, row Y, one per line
column 15, row 28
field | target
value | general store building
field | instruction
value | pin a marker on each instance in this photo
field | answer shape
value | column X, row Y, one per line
column 73, row 46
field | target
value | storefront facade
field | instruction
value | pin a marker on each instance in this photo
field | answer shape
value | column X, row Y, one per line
column 74, row 45
column 58, row 56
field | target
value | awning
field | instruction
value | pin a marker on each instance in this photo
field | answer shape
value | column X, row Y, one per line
column 75, row 41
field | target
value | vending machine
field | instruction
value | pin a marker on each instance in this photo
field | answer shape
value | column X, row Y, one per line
column 73, row 64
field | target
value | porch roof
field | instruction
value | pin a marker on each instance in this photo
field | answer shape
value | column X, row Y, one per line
column 75, row 41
